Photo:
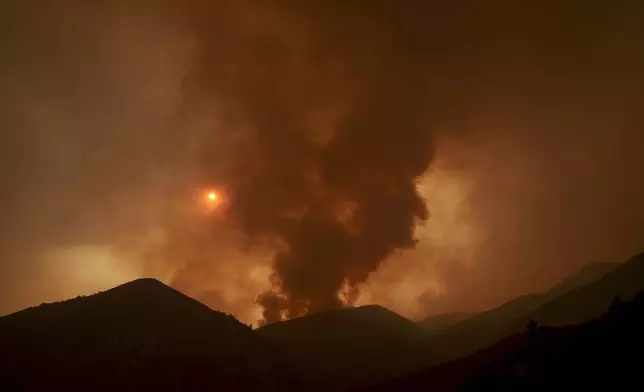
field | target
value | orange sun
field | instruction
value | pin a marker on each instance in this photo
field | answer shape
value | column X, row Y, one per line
column 211, row 199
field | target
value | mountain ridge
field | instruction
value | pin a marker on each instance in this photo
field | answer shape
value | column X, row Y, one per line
column 146, row 335
column 343, row 348
column 137, row 336
column 440, row 322
column 599, row 354
column 589, row 301
column 484, row 329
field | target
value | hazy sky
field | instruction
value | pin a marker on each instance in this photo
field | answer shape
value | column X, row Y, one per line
column 506, row 137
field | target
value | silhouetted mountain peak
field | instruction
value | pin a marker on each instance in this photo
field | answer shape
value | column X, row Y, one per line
column 373, row 308
column 146, row 287
column 377, row 312
column 152, row 292
column 368, row 317
column 140, row 335
column 346, row 347
column 143, row 283
column 368, row 311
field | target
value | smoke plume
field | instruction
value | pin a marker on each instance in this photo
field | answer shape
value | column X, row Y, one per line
column 334, row 197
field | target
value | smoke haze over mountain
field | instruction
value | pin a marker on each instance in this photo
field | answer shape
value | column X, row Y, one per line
column 506, row 139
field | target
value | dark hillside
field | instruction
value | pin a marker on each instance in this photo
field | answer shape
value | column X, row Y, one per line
column 600, row 354
column 593, row 300
column 349, row 347
column 485, row 329
column 142, row 335
column 441, row 322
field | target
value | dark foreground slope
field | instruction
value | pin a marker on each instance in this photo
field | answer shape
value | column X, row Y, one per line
column 142, row 335
column 345, row 348
column 601, row 354
column 484, row 329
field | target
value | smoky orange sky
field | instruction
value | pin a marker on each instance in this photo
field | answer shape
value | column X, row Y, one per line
column 425, row 157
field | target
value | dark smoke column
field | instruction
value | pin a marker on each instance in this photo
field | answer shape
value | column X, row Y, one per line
column 368, row 170
column 354, row 202
column 331, row 100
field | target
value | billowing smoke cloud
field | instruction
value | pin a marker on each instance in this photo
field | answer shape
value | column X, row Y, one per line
column 334, row 197
column 324, row 126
